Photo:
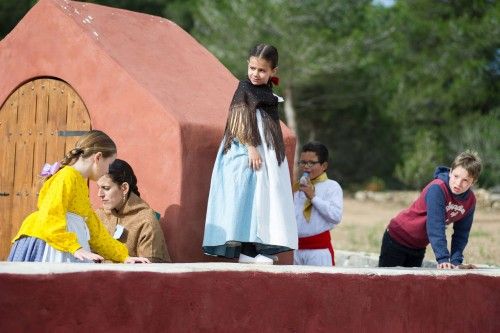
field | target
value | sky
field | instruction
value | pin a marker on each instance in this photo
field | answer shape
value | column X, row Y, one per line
column 386, row 3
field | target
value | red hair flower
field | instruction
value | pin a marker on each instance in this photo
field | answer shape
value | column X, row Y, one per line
column 275, row 80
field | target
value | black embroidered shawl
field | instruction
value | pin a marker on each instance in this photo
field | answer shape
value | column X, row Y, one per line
column 242, row 120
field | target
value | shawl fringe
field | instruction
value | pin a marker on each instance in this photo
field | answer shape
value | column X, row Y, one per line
column 242, row 120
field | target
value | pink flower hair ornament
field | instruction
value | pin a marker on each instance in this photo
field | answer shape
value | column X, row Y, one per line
column 50, row 169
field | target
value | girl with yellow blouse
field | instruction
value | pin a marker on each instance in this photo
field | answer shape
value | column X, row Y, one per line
column 65, row 227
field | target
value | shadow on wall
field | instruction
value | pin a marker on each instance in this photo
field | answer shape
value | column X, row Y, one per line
column 171, row 214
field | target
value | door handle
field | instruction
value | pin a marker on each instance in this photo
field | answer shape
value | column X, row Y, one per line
column 4, row 194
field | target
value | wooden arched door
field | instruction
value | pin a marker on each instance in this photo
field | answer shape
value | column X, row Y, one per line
column 39, row 122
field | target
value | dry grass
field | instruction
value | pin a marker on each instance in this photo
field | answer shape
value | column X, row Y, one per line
column 363, row 225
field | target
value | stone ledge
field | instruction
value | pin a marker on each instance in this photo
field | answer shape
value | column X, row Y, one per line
column 370, row 260
column 25, row 268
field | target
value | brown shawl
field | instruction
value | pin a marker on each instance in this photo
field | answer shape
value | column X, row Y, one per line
column 142, row 233
column 242, row 120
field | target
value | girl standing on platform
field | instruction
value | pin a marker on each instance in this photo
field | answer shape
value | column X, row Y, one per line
column 65, row 228
column 250, row 213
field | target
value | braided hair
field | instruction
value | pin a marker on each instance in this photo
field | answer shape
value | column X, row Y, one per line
column 121, row 172
column 92, row 142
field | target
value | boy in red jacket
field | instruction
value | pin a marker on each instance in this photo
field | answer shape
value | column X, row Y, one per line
column 448, row 199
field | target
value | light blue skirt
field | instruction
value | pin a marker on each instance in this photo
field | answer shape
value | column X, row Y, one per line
column 247, row 206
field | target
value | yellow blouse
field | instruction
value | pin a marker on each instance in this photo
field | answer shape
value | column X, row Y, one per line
column 67, row 191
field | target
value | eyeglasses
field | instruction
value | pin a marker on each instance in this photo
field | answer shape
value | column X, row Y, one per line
column 308, row 164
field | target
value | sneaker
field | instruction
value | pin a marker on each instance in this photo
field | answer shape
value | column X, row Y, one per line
column 274, row 258
column 244, row 259
column 261, row 259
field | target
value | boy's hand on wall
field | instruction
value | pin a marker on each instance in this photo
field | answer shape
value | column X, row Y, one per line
column 446, row 265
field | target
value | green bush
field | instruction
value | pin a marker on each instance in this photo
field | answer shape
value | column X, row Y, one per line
column 419, row 163
column 481, row 133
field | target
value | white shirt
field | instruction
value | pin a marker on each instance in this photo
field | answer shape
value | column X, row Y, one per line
column 327, row 206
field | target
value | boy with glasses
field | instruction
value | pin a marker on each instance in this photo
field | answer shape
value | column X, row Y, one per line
column 318, row 208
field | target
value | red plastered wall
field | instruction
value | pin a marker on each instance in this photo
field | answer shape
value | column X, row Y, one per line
column 248, row 302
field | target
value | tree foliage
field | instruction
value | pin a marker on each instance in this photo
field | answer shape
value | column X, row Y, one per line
column 420, row 159
column 12, row 12
column 304, row 32
column 481, row 132
column 340, row 111
column 442, row 59
column 313, row 37
column 153, row 7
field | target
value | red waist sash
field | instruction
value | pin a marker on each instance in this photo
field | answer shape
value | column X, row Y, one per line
column 319, row 241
